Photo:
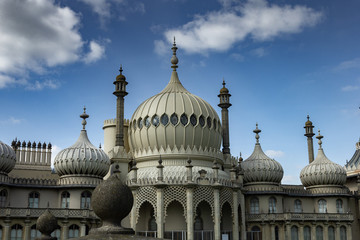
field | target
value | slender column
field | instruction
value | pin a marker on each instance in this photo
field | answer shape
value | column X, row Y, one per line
column 133, row 210
column 7, row 229
column 235, row 215
column 313, row 232
column 82, row 228
column 48, row 154
column 217, row 230
column 309, row 134
column 243, row 226
column 326, row 232
column 301, row 232
column 272, row 231
column 38, row 155
column 190, row 212
column 263, row 231
column 28, row 152
column 160, row 211
column 26, row 233
column 224, row 104
column 337, row 231
column 33, row 153
column 64, row 230
column 287, row 231
column 43, row 153
column 349, row 232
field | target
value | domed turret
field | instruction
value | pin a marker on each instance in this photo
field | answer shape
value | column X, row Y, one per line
column 259, row 169
column 7, row 159
column 322, row 175
column 174, row 121
column 82, row 163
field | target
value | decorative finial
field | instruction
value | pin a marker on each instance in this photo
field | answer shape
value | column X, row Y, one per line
column 257, row 131
column 100, row 145
column 174, row 59
column 120, row 70
column 84, row 116
column 240, row 158
column 223, row 82
column 308, row 118
column 319, row 137
column 160, row 161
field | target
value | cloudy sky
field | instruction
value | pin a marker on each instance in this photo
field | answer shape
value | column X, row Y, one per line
column 282, row 60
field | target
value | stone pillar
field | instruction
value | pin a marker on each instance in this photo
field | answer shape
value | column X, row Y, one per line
column 6, row 233
column 349, row 232
column 190, row 212
column 26, row 233
column 272, row 231
column 83, row 228
column 263, row 231
column 133, row 210
column 160, row 210
column 287, row 231
column 313, row 231
column 48, row 154
column 235, row 215
column 224, row 104
column 64, row 230
column 217, row 230
column 337, row 231
column 301, row 231
column 309, row 135
column 326, row 231
column 243, row 226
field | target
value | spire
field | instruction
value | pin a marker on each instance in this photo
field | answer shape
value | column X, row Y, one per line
column 257, row 131
column 319, row 137
column 309, row 134
column 174, row 59
column 84, row 116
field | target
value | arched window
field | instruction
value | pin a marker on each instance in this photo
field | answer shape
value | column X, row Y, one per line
column 254, row 205
column 331, row 233
column 307, row 233
column 339, row 206
column 276, row 233
column 65, row 199
column 73, row 231
column 343, row 233
column 1, row 231
column 152, row 222
column 85, row 200
column 34, row 199
column 294, row 233
column 34, row 233
column 57, row 232
column 319, row 233
column 297, row 206
column 322, row 206
column 3, row 196
column 198, row 223
column 16, row 232
column 272, row 205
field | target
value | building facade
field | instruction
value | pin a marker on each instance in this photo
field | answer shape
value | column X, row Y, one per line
column 174, row 154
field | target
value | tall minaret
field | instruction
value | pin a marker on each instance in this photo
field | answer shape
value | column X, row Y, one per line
column 225, row 104
column 309, row 134
column 120, row 92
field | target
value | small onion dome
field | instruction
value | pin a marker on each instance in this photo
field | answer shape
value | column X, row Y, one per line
column 120, row 77
column 322, row 171
column 308, row 123
column 82, row 158
column 224, row 90
column 7, row 158
column 259, row 167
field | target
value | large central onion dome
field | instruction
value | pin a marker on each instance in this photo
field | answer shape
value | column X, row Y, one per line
column 259, row 169
column 82, row 163
column 322, row 175
column 174, row 121
column 7, row 159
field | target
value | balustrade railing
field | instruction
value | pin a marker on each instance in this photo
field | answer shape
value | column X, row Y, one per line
column 36, row 212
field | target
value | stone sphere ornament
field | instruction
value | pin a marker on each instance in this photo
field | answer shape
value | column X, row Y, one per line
column 46, row 224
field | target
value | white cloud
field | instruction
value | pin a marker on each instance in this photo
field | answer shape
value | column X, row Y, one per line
column 37, row 85
column 349, row 88
column 237, row 56
column 160, row 47
column 54, row 151
column 97, row 52
column 274, row 153
column 354, row 63
column 11, row 120
column 259, row 52
column 257, row 19
column 36, row 35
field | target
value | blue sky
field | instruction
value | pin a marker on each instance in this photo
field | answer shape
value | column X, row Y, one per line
column 281, row 60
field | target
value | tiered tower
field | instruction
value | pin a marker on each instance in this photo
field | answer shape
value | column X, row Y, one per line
column 309, row 134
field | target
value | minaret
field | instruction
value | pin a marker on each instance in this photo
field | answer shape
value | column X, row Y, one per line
column 309, row 134
column 120, row 92
column 225, row 104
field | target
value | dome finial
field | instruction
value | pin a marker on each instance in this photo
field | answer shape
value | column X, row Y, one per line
column 120, row 70
column 84, row 116
column 174, row 59
column 257, row 131
column 319, row 137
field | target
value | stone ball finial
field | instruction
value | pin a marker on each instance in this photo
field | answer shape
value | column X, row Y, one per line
column 46, row 224
column 112, row 201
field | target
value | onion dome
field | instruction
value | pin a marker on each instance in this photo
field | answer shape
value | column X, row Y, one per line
column 259, row 168
column 82, row 162
column 308, row 123
column 322, row 172
column 172, row 120
column 7, row 159
column 353, row 166
column 224, row 90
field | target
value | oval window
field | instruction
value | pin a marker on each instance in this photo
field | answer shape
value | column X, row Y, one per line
column 147, row 122
column 184, row 119
column 155, row 120
column 164, row 119
column 202, row 121
column 140, row 123
column 193, row 120
column 208, row 120
column 174, row 119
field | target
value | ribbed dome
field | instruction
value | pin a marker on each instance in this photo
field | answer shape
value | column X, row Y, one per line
column 259, row 167
column 174, row 118
column 322, row 171
column 7, row 158
column 82, row 158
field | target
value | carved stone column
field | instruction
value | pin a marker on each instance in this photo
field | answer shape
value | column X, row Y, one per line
column 134, row 191
column 160, row 210
column 326, row 231
column 7, row 229
column 243, row 226
column 64, row 230
column 337, row 231
column 313, row 231
column 217, row 230
column 272, row 231
column 349, row 232
column 235, row 215
column 190, row 212
column 287, row 231
column 27, row 229
column 301, row 231
column 83, row 228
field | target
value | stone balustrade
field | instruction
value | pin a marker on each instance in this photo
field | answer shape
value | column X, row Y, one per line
column 36, row 212
column 296, row 217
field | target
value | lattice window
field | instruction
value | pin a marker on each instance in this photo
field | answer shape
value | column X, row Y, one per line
column 172, row 193
column 204, row 193
column 145, row 194
column 226, row 196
